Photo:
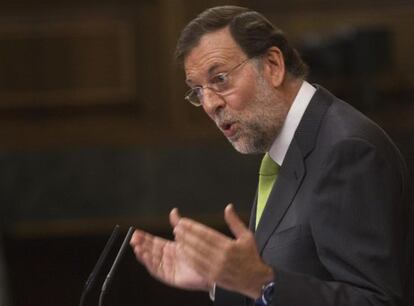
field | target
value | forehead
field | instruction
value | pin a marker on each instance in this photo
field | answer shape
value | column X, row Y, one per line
column 214, row 50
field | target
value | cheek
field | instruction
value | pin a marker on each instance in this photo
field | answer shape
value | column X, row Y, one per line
column 243, row 98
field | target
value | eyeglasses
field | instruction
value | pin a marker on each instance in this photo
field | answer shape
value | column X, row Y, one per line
column 220, row 84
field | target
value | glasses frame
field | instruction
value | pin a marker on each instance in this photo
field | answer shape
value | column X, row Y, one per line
column 210, row 85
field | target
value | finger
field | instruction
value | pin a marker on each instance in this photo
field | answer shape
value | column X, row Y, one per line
column 141, row 240
column 150, row 253
column 150, row 264
column 193, row 258
column 137, row 237
column 156, row 252
column 145, row 258
column 234, row 222
column 201, row 246
column 174, row 217
column 145, row 243
column 199, row 236
column 142, row 243
column 205, row 253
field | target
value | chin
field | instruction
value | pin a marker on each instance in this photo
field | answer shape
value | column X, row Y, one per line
column 244, row 147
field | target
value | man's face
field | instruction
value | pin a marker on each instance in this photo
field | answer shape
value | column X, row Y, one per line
column 251, row 113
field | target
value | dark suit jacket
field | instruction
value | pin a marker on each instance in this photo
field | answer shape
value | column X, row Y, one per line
column 334, row 227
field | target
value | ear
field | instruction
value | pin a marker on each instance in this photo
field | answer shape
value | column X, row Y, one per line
column 274, row 66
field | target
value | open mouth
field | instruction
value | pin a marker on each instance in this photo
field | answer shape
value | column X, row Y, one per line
column 228, row 128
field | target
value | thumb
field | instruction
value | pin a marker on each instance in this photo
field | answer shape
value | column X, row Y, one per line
column 174, row 217
column 234, row 222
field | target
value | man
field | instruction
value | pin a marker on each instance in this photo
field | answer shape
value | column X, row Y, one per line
column 328, row 228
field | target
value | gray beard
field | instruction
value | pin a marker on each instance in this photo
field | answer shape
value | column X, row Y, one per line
column 260, row 132
column 258, row 141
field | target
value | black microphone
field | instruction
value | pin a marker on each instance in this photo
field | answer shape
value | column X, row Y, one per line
column 98, row 266
column 115, row 265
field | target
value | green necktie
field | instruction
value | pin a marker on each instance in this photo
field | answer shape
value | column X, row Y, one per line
column 267, row 177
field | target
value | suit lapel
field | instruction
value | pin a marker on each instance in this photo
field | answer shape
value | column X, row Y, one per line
column 293, row 170
column 252, row 221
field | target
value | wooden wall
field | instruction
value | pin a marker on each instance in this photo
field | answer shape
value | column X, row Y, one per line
column 75, row 73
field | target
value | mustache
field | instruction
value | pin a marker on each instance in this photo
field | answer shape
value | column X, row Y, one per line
column 224, row 118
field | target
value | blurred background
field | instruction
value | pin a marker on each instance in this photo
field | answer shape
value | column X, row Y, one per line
column 94, row 130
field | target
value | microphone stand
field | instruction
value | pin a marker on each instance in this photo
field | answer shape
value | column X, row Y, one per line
column 98, row 266
column 115, row 265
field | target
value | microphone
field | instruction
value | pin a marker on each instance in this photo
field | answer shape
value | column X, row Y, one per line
column 115, row 265
column 98, row 266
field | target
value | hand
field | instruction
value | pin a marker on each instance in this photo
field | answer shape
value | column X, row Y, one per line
column 233, row 264
column 164, row 261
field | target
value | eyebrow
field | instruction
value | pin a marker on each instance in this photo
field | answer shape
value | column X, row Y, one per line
column 210, row 72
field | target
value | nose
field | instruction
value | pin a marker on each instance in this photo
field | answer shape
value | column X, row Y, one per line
column 212, row 102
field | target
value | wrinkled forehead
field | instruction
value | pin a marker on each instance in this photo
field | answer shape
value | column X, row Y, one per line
column 214, row 51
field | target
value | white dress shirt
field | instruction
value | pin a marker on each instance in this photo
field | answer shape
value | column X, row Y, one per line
column 282, row 142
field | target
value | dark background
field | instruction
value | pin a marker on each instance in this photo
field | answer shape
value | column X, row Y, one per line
column 94, row 130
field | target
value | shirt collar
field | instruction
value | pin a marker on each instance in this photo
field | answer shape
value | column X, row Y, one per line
column 282, row 142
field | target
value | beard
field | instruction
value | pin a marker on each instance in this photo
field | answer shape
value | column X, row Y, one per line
column 259, row 123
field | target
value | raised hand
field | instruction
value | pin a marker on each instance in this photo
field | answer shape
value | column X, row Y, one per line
column 233, row 264
column 165, row 261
